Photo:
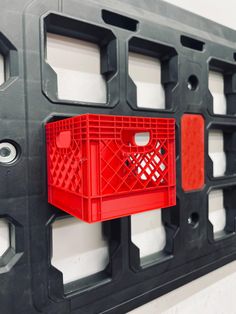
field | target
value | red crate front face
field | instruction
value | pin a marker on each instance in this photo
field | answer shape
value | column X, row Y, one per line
column 97, row 171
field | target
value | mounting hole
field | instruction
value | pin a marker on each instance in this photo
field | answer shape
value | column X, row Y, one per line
column 193, row 220
column 8, row 152
column 192, row 82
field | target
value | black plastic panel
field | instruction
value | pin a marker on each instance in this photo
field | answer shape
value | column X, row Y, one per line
column 187, row 45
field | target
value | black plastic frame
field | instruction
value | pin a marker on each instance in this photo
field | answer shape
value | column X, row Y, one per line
column 29, row 100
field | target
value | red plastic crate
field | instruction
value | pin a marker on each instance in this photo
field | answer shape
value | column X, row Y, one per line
column 96, row 171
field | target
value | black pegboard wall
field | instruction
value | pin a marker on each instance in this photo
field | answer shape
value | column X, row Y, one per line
column 187, row 45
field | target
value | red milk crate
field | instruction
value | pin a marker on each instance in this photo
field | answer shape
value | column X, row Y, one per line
column 97, row 172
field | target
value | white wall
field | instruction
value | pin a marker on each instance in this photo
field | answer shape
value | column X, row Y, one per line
column 222, row 12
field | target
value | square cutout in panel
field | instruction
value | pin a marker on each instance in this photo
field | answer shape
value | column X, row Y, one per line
column 79, row 249
column 221, row 211
column 221, row 149
column 222, row 87
column 148, row 234
column 145, row 71
column 216, row 87
column 216, row 152
column 216, row 211
column 11, row 235
column 77, row 64
column 8, row 61
column 153, row 74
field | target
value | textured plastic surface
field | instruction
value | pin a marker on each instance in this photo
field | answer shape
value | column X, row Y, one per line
column 192, row 152
column 29, row 99
column 96, row 170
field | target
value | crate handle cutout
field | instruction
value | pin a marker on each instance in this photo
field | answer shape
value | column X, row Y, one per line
column 63, row 139
column 142, row 138
column 132, row 139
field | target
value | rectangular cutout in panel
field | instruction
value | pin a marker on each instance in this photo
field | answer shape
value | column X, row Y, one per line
column 216, row 210
column 192, row 152
column 221, row 85
column 4, row 236
column 216, row 87
column 77, row 64
column 79, row 249
column 216, row 152
column 2, row 70
column 192, row 43
column 148, row 233
column 119, row 20
column 145, row 71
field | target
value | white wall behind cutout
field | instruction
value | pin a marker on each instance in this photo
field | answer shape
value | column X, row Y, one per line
column 216, row 210
column 145, row 71
column 148, row 233
column 4, row 236
column 2, row 78
column 77, row 64
column 216, row 87
column 79, row 249
column 216, row 152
